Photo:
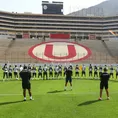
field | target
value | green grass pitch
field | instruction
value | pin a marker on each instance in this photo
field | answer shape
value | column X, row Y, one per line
column 50, row 101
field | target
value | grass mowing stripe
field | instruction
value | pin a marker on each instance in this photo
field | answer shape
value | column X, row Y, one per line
column 80, row 93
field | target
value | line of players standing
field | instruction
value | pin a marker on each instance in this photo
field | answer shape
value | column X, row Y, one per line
column 44, row 72
column 47, row 72
column 100, row 69
column 94, row 71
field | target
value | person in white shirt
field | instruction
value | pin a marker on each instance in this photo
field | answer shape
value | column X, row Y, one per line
column 16, row 72
column 20, row 69
column 60, row 70
column 29, row 67
column 5, row 72
column 106, row 67
column 100, row 70
column 56, row 70
column 77, row 71
column 34, row 71
column 83, row 70
column 45, row 74
column 111, row 71
column 40, row 72
column 50, row 71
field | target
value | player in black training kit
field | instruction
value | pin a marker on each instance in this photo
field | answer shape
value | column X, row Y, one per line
column 10, row 71
column 71, row 67
column 26, row 76
column 51, row 71
column 90, row 70
column 40, row 72
column 5, row 73
column 111, row 71
column 60, row 70
column 16, row 71
column 100, row 70
column 56, row 72
column 29, row 68
column 104, row 78
column 95, row 71
column 65, row 68
column 77, row 71
column 45, row 74
column 68, row 77
column 83, row 70
column 34, row 72
column 117, row 72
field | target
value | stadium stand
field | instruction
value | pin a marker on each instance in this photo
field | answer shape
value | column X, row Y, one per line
column 88, row 31
column 17, row 52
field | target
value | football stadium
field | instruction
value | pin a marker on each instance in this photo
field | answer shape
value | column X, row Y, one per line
column 48, row 45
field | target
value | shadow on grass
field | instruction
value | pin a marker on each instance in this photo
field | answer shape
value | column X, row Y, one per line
column 56, row 91
column 7, row 103
column 88, row 102
column 88, row 79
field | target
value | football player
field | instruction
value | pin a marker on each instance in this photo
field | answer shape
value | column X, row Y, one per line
column 10, row 71
column 90, row 70
column 16, row 72
column 68, row 77
column 50, row 71
column 40, row 72
column 111, row 71
column 77, row 71
column 83, row 70
column 5, row 72
column 45, row 74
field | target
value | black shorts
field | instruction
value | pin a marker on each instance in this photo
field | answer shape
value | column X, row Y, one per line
column 40, row 74
column 102, row 85
column 10, row 74
column 83, row 73
column 44, row 73
column 100, row 73
column 26, row 86
column 111, row 74
column 90, row 71
column 116, row 74
column 56, row 73
column 50, row 73
column 69, row 79
column 60, row 73
column 34, row 74
column 5, row 73
column 15, row 73
column 76, row 73
column 95, row 73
